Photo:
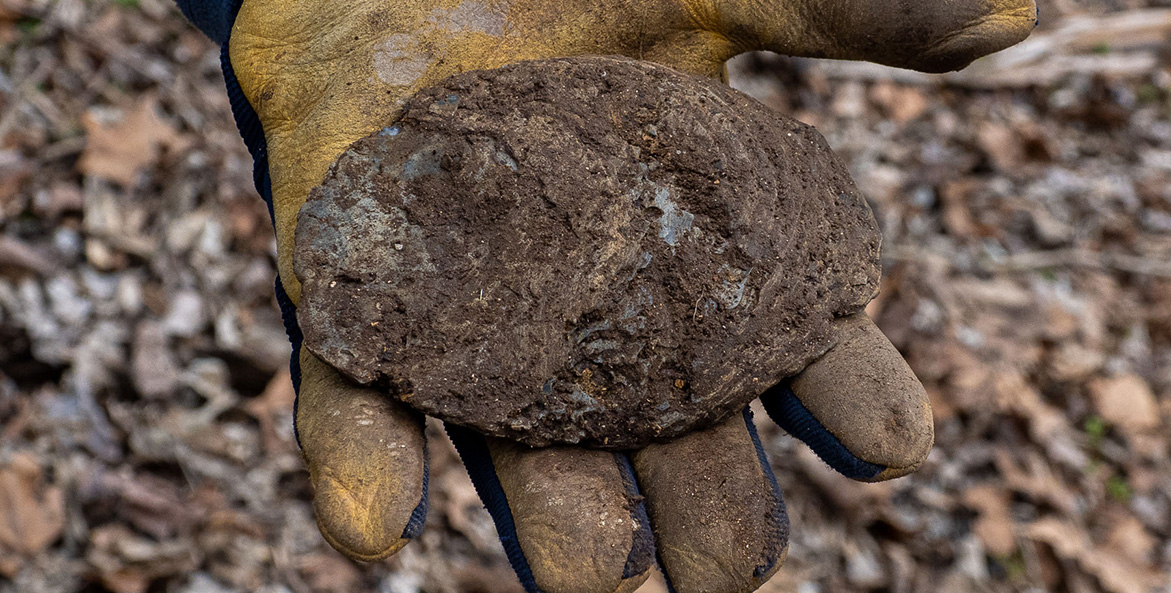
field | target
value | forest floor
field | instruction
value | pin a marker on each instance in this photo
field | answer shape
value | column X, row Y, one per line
column 146, row 437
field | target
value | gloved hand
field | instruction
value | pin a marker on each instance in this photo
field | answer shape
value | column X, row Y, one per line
column 306, row 79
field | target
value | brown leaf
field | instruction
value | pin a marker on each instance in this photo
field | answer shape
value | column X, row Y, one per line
column 271, row 410
column 1035, row 480
column 957, row 217
column 1071, row 361
column 1131, row 539
column 125, row 581
column 902, row 103
column 119, row 145
column 994, row 526
column 498, row 578
column 1002, row 146
column 1015, row 393
column 152, row 504
column 14, row 171
column 329, row 572
column 32, row 515
column 154, row 369
column 124, row 559
column 1127, row 402
column 1116, row 572
column 17, row 254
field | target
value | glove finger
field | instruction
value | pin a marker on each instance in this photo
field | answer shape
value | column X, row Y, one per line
column 859, row 407
column 571, row 520
column 367, row 459
column 719, row 520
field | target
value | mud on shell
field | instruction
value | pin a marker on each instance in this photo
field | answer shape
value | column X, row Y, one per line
column 594, row 250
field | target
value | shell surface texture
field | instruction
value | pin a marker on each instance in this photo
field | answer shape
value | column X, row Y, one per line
column 596, row 251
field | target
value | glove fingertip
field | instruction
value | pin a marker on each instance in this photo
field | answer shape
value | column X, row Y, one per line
column 783, row 407
column 473, row 451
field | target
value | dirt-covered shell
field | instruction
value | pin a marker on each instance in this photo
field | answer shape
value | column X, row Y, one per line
column 591, row 250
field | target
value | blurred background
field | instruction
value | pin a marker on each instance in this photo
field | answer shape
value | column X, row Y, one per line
column 145, row 407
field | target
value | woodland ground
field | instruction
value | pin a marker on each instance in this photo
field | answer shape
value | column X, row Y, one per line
column 145, row 426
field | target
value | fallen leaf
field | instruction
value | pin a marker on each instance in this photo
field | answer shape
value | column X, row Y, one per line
column 1072, row 361
column 1127, row 402
column 125, row 581
column 154, row 369
column 864, row 568
column 994, row 527
column 123, row 559
column 14, row 171
column 1001, row 145
column 498, row 578
column 902, row 103
column 1131, row 539
column 272, row 409
column 1036, row 480
column 1014, row 393
column 1116, row 572
column 119, row 144
column 32, row 515
column 329, row 573
column 957, row 216
column 150, row 503
column 18, row 255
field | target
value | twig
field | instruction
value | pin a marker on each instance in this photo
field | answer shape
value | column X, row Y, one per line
column 1038, row 260
column 1082, row 258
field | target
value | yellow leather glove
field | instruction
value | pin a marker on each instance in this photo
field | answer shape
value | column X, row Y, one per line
column 308, row 78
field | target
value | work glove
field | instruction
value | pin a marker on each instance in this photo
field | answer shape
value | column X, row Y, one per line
column 307, row 79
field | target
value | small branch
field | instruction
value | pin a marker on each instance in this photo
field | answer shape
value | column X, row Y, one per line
column 1038, row 260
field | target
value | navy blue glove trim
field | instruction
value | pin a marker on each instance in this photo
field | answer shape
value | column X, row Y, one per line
column 790, row 414
column 296, row 338
column 419, row 515
column 207, row 15
column 778, row 517
column 642, row 551
column 213, row 17
column 248, row 124
column 473, row 451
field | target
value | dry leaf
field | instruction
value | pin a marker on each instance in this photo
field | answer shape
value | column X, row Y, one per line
column 1130, row 538
column 1001, row 145
column 902, row 103
column 154, row 370
column 125, row 581
column 124, row 559
column 32, row 515
column 1116, row 572
column 151, row 504
column 1014, row 393
column 995, row 526
column 856, row 497
column 1072, row 361
column 14, row 171
column 1037, row 480
column 957, row 217
column 119, row 145
column 271, row 410
column 18, row 255
column 329, row 573
column 1127, row 402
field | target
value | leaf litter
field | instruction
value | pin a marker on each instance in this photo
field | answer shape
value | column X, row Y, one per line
column 145, row 436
